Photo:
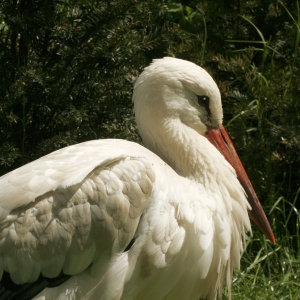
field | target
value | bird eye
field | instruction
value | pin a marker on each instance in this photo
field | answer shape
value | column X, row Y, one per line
column 203, row 100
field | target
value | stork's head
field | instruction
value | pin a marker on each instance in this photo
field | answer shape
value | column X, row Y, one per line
column 173, row 88
column 173, row 93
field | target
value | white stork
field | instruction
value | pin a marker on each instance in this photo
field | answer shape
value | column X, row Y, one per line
column 110, row 219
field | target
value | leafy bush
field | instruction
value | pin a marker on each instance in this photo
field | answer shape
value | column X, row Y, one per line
column 67, row 69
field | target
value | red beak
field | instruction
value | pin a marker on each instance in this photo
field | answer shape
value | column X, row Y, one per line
column 220, row 139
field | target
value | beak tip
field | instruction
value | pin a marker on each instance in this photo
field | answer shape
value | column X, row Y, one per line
column 260, row 219
column 272, row 239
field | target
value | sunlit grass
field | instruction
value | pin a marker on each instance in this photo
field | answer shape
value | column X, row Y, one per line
column 257, row 281
column 270, row 272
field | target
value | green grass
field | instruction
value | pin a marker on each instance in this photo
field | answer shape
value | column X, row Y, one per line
column 271, row 272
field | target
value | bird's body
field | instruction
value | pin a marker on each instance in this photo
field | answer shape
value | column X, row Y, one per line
column 124, row 222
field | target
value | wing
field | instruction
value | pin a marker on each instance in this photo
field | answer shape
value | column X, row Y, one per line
column 71, row 209
column 58, row 170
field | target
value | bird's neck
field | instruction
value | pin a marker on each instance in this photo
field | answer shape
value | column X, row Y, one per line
column 186, row 151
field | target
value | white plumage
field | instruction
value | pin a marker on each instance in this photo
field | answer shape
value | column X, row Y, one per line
column 182, row 215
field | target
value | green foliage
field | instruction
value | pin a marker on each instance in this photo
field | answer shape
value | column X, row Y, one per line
column 67, row 69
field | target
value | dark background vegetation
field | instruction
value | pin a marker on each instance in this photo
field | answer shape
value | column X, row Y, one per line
column 67, row 70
